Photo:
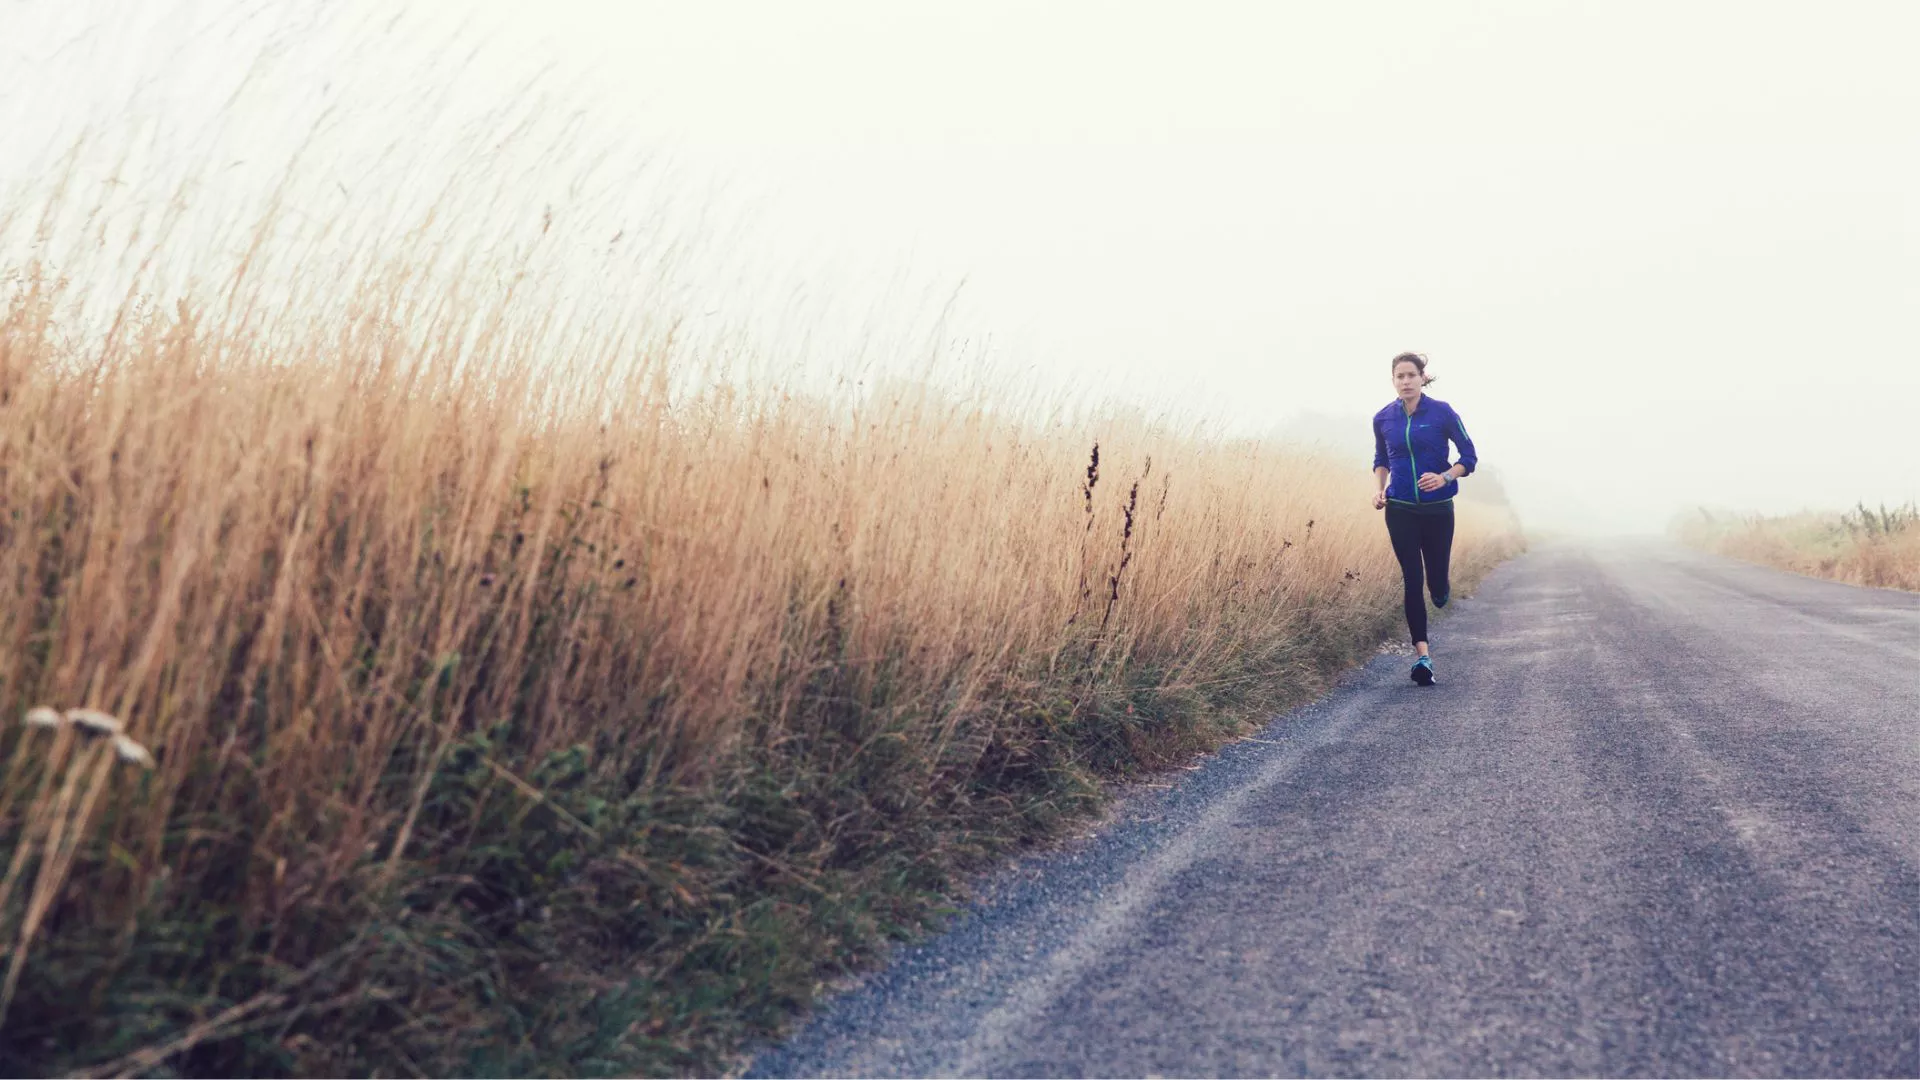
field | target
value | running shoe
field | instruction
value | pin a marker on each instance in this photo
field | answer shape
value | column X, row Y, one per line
column 1422, row 672
column 1441, row 600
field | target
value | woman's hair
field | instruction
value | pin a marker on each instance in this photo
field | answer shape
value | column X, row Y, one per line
column 1417, row 361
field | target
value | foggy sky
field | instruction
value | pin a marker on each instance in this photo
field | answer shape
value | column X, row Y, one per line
column 1659, row 254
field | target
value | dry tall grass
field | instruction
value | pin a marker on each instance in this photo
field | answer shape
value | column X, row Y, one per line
column 1861, row 546
column 513, row 708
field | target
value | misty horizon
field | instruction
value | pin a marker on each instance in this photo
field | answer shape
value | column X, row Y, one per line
column 1629, row 239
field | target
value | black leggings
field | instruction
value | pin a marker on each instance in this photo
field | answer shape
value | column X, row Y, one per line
column 1419, row 535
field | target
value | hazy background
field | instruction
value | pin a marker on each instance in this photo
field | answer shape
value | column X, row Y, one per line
column 1659, row 254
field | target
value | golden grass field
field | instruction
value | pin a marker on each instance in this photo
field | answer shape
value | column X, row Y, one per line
column 516, row 704
column 1863, row 546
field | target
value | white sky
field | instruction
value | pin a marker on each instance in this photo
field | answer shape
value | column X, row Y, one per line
column 1659, row 254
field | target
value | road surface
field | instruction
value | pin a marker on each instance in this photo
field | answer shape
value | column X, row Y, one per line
column 1660, row 817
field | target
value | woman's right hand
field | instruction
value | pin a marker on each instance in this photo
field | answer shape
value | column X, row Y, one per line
column 1379, row 500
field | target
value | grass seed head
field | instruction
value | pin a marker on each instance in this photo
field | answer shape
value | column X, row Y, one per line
column 132, row 752
column 94, row 722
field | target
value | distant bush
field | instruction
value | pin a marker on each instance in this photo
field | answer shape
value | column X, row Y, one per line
column 1865, row 545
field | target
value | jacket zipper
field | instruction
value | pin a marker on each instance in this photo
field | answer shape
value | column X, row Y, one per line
column 1413, row 463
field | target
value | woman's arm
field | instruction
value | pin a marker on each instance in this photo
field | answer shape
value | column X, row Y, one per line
column 1380, row 473
column 1469, row 459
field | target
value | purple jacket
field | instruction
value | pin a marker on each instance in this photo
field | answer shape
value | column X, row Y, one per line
column 1407, row 446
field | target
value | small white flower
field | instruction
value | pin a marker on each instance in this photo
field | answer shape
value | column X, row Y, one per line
column 95, row 722
column 132, row 751
column 41, row 716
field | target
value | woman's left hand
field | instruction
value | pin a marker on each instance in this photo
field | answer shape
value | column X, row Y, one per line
column 1432, row 481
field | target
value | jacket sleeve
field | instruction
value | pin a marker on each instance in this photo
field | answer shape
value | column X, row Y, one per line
column 1457, row 431
column 1379, row 446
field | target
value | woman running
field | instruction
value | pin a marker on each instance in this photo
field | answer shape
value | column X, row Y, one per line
column 1416, row 487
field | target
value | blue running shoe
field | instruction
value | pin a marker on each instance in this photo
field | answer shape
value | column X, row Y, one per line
column 1441, row 600
column 1423, row 671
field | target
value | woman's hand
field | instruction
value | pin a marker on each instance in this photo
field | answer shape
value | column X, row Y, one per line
column 1432, row 481
column 1379, row 500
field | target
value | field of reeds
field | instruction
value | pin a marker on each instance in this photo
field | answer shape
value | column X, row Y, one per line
column 1872, row 546
column 398, row 678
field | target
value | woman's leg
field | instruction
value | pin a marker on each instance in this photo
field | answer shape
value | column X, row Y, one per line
column 1436, row 545
column 1403, row 528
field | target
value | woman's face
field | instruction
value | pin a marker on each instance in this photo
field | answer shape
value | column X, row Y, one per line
column 1407, row 380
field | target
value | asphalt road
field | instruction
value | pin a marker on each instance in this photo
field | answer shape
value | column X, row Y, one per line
column 1661, row 816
